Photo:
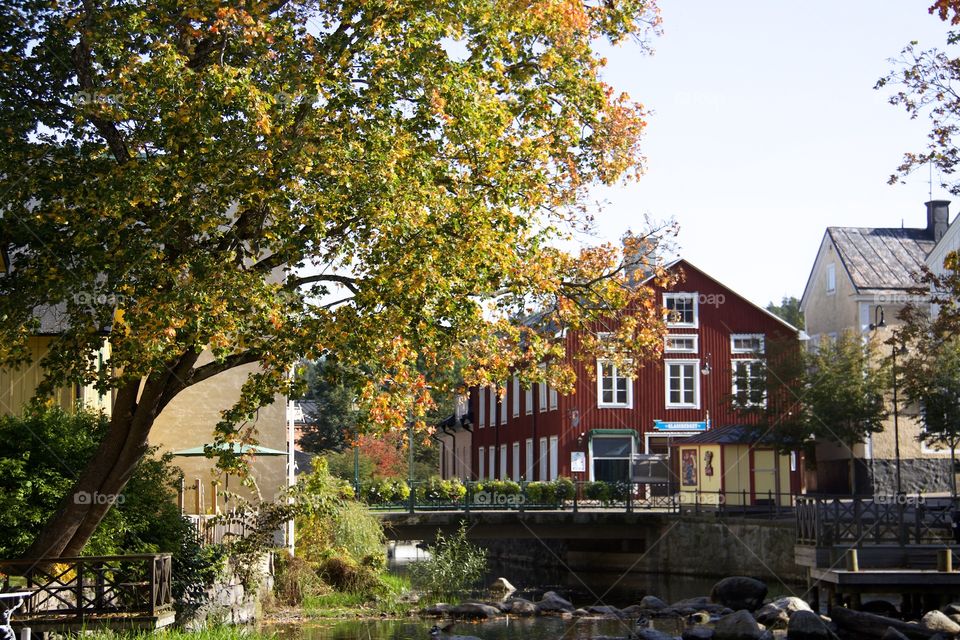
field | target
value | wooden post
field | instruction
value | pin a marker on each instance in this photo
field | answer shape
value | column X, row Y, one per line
column 198, row 496
column 153, row 585
column 945, row 560
column 853, row 560
column 181, row 489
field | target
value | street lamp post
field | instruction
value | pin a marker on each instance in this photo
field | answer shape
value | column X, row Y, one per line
column 896, row 347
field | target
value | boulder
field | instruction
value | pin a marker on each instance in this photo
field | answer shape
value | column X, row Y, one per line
column 938, row 621
column 552, row 603
column 955, row 617
column 737, row 626
column 475, row 611
column 893, row 634
column 952, row 608
column 633, row 611
column 697, row 633
column 651, row 634
column 806, row 625
column 581, row 613
column 780, row 610
column 739, row 592
column 502, row 587
column 521, row 607
column 438, row 609
column 652, row 603
column 603, row 610
column 700, row 617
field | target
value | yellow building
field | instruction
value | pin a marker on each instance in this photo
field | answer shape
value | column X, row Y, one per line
column 728, row 466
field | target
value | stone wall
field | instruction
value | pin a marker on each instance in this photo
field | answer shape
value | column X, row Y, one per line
column 929, row 475
column 228, row 602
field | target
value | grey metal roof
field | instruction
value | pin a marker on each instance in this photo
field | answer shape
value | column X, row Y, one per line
column 730, row 434
column 882, row 258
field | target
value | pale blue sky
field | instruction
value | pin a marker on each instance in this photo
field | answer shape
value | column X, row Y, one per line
column 766, row 129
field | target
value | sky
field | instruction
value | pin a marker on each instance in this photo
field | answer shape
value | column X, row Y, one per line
column 766, row 129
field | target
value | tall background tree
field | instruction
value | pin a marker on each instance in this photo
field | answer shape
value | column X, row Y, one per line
column 788, row 310
column 273, row 181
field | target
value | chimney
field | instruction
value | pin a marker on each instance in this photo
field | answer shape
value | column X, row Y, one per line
column 938, row 218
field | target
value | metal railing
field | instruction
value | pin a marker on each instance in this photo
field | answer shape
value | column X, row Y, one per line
column 574, row 496
column 904, row 519
column 92, row 586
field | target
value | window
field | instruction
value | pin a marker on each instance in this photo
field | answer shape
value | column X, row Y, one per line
column 483, row 466
column 681, row 309
column 516, row 397
column 680, row 344
column 747, row 343
column 515, row 476
column 528, row 400
column 542, row 388
column 543, row 459
column 553, row 398
column 682, row 384
column 493, row 406
column 529, row 459
column 613, row 388
column 482, row 402
column 749, row 383
column 831, row 278
column 503, row 404
column 554, row 458
column 491, row 463
column 503, row 462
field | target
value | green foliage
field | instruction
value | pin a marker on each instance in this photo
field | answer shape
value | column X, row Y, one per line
column 334, row 525
column 195, row 568
column 438, row 490
column 385, row 491
column 601, row 491
column 455, row 565
column 500, row 487
column 40, row 455
column 788, row 310
column 295, row 580
column 550, row 492
column 564, row 488
column 332, row 421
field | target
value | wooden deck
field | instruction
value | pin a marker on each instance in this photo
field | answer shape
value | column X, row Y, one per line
column 71, row 594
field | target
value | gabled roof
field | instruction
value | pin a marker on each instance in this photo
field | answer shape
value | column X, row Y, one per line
column 683, row 262
column 882, row 258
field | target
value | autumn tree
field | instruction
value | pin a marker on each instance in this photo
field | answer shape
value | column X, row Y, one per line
column 270, row 181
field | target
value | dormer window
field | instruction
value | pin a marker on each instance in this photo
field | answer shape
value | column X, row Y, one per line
column 681, row 310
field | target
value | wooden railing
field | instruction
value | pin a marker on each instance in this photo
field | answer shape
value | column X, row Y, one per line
column 92, row 586
column 899, row 520
column 214, row 529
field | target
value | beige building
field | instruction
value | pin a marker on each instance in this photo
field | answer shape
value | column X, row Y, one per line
column 861, row 279
column 455, row 435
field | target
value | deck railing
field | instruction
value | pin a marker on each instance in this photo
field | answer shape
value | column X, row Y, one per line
column 826, row 521
column 92, row 586
column 214, row 529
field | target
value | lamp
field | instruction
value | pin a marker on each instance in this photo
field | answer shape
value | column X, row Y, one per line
column 706, row 368
column 877, row 318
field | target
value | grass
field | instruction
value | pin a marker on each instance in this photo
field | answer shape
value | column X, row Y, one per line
column 338, row 604
column 218, row 632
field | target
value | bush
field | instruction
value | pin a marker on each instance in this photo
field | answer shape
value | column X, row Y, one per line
column 437, row 490
column 597, row 491
column 501, row 487
column 346, row 574
column 295, row 579
column 454, row 566
column 565, row 489
column 385, row 491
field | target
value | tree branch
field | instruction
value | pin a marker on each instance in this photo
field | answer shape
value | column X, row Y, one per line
column 206, row 371
column 349, row 283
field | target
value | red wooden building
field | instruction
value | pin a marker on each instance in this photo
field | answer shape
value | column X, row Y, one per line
column 715, row 343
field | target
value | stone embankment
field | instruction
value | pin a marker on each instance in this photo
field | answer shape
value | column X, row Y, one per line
column 736, row 609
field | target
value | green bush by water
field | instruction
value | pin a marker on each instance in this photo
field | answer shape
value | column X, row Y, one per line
column 454, row 567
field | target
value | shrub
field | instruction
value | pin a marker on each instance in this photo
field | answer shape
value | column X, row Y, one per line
column 501, row 487
column 565, row 489
column 437, row 490
column 346, row 574
column 597, row 491
column 295, row 579
column 385, row 491
column 454, row 566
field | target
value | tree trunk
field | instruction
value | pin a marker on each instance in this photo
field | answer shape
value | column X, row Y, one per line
column 107, row 473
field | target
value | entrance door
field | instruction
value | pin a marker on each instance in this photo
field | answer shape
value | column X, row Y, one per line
column 764, row 477
column 611, row 457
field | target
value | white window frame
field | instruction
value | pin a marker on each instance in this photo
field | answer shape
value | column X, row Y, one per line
column 668, row 348
column 482, row 404
column 493, row 406
column 692, row 295
column 554, row 398
column 733, row 381
column 503, row 405
column 528, row 400
column 491, row 463
column 696, row 384
column 483, row 465
column 529, row 460
column 748, row 336
column 544, row 459
column 831, row 278
column 542, row 389
column 628, row 404
column 503, row 462
column 554, row 453
column 515, row 476
column 516, row 397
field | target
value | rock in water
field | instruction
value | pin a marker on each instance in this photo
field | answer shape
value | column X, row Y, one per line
column 806, row 625
column 502, row 587
column 780, row 610
column 739, row 592
column 938, row 621
column 737, row 626
column 474, row 610
column 651, row 634
column 892, row 634
column 652, row 603
column 552, row 603
column 697, row 633
column 881, row 608
column 521, row 607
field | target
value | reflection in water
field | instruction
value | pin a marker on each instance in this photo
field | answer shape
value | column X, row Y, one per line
column 546, row 628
